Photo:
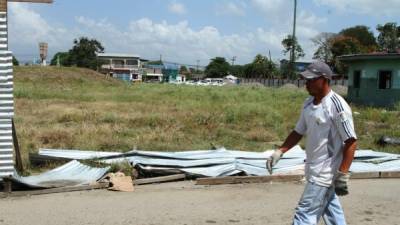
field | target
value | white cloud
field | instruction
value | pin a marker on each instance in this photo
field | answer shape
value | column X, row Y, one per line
column 275, row 11
column 369, row 7
column 308, row 25
column 176, row 42
column 177, row 8
column 231, row 8
column 27, row 28
column 179, row 42
column 279, row 14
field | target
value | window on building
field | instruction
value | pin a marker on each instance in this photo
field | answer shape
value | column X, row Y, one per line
column 132, row 62
column 118, row 62
column 385, row 79
column 356, row 79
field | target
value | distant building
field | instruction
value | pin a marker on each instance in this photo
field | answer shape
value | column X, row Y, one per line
column 152, row 73
column 181, row 78
column 299, row 66
column 169, row 71
column 374, row 79
column 198, row 76
column 132, row 68
column 122, row 66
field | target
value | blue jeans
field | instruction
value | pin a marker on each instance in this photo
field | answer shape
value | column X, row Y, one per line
column 316, row 202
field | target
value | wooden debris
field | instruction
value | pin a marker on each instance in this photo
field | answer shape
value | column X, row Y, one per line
column 376, row 175
column 248, row 179
column 365, row 175
column 395, row 174
column 286, row 178
column 7, row 183
column 160, row 179
column 102, row 185
column 17, row 152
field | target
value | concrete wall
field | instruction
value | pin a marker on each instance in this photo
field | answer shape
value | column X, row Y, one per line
column 369, row 92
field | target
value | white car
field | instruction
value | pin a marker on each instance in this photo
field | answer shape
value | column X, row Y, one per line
column 190, row 82
column 218, row 82
column 203, row 83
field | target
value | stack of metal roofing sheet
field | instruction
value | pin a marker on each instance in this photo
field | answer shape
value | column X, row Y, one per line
column 77, row 154
column 222, row 162
column 73, row 173
column 6, row 102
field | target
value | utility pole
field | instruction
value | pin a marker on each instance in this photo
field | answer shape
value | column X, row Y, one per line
column 269, row 53
column 233, row 60
column 293, row 54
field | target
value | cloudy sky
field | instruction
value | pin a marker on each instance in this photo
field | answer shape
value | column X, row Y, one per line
column 188, row 30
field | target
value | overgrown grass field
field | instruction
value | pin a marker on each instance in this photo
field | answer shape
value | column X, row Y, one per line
column 73, row 108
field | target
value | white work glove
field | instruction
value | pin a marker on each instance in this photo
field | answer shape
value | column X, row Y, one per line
column 341, row 187
column 273, row 160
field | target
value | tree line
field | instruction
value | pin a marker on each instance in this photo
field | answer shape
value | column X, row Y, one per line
column 356, row 40
column 329, row 46
column 353, row 40
column 82, row 54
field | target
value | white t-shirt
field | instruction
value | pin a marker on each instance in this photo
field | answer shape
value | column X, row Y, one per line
column 326, row 126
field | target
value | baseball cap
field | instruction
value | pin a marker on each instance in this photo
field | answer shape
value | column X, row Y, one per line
column 317, row 69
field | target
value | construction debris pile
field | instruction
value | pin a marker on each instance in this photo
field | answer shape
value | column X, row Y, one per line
column 154, row 166
column 221, row 162
column 206, row 163
column 70, row 174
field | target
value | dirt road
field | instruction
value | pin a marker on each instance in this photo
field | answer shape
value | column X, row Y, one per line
column 370, row 202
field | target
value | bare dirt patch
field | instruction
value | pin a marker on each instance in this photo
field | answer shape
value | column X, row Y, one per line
column 371, row 202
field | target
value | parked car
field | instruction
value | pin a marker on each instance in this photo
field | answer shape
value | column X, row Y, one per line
column 217, row 82
column 203, row 83
column 190, row 82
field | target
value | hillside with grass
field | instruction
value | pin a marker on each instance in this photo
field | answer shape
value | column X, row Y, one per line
column 74, row 108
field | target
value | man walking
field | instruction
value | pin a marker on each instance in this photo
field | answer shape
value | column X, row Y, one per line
column 326, row 121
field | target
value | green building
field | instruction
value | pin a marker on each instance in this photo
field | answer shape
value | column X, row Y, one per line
column 373, row 79
column 170, row 71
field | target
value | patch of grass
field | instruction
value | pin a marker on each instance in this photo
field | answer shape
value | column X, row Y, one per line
column 124, row 167
column 110, row 118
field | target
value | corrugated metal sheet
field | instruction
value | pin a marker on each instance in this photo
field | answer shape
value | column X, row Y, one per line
column 6, row 102
column 71, row 174
column 76, row 154
column 222, row 162
column 3, row 32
